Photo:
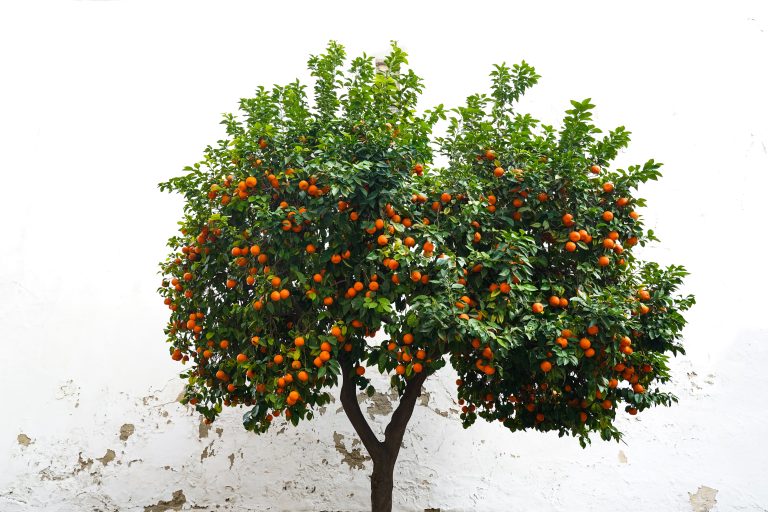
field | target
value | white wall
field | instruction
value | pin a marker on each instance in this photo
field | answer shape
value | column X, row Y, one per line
column 101, row 100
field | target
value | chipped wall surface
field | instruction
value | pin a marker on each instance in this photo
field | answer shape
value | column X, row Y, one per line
column 102, row 100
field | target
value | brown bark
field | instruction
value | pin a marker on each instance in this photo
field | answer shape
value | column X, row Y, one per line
column 383, row 453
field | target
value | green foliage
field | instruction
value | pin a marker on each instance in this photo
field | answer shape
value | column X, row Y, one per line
column 503, row 262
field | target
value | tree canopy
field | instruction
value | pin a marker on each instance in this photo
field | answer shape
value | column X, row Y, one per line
column 342, row 230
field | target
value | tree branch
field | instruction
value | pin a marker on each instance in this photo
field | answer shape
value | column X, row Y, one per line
column 393, row 434
column 352, row 409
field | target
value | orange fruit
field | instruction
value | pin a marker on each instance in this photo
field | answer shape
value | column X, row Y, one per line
column 545, row 366
column 607, row 216
column 537, row 307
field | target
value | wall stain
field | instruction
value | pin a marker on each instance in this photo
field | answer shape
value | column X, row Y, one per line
column 207, row 452
column 203, row 429
column 704, row 499
column 107, row 458
column 355, row 459
column 175, row 503
column 231, row 458
column 381, row 404
column 622, row 457
column 24, row 440
column 127, row 431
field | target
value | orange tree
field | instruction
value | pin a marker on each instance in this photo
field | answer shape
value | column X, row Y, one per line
column 321, row 239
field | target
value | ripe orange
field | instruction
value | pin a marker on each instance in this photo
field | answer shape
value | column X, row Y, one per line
column 603, row 261
column 554, row 301
column 382, row 240
column 595, row 169
column 498, row 172
column 545, row 366
column 445, row 197
column 608, row 187
column 537, row 307
column 275, row 295
column 241, row 358
column 570, row 246
column 584, row 343
column 607, row 216
column 593, row 329
column 408, row 338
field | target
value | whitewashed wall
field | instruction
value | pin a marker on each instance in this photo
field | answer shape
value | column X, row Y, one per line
column 100, row 100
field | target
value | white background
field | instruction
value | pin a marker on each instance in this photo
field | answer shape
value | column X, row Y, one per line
column 101, row 100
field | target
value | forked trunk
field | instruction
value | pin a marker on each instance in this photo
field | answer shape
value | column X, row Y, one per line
column 383, row 454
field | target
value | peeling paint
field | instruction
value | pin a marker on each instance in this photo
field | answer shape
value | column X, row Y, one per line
column 107, row 458
column 208, row 451
column 231, row 458
column 203, row 429
column 355, row 459
column 175, row 503
column 126, row 431
column 380, row 405
column 24, row 440
column 82, row 463
column 704, row 499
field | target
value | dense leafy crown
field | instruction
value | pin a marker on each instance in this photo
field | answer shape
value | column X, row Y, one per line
column 312, row 227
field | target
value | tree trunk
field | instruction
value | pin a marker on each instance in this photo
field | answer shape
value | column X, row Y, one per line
column 382, row 483
column 383, row 454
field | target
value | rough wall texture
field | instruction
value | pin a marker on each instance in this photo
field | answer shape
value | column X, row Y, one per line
column 105, row 99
